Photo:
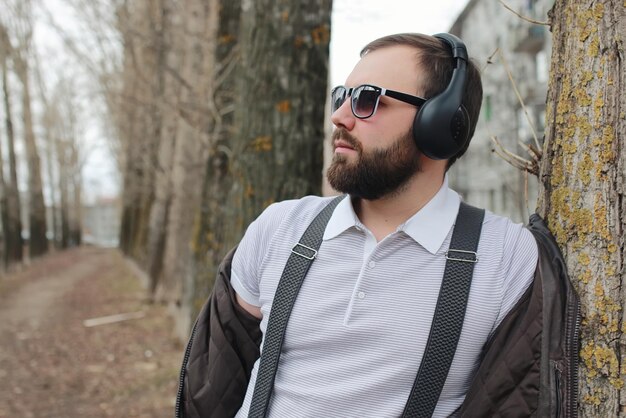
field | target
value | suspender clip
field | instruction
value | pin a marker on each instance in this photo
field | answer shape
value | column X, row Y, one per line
column 462, row 253
column 304, row 251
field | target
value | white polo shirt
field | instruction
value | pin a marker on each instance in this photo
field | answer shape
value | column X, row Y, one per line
column 357, row 332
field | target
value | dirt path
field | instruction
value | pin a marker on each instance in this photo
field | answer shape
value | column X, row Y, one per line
column 51, row 365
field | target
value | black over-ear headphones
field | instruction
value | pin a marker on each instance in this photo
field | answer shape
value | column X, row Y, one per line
column 442, row 125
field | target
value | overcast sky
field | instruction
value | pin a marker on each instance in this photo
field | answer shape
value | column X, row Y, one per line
column 357, row 22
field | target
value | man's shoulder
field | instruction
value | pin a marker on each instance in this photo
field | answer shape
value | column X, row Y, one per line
column 506, row 232
column 294, row 210
column 495, row 221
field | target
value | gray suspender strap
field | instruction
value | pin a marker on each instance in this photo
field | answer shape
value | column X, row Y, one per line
column 447, row 323
column 301, row 258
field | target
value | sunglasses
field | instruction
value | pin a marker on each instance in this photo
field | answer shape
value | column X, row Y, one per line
column 365, row 99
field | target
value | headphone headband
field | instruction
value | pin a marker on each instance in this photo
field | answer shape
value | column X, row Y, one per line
column 442, row 125
column 456, row 45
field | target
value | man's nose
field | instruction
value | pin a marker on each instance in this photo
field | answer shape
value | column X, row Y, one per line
column 343, row 117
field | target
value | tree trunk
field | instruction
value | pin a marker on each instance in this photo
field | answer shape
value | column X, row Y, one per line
column 583, row 185
column 141, row 25
column 76, row 224
column 13, row 226
column 4, row 214
column 199, row 70
column 38, row 242
column 208, row 245
column 48, row 127
column 64, row 202
column 169, row 56
column 279, row 118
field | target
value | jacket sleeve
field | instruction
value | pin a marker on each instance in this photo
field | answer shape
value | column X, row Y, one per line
column 529, row 367
column 223, row 349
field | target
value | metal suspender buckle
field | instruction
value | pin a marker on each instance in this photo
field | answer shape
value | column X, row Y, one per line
column 469, row 259
column 308, row 253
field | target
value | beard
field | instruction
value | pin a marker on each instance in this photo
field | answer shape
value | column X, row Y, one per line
column 377, row 173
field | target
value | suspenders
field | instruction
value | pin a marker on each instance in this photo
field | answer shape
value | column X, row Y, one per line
column 445, row 328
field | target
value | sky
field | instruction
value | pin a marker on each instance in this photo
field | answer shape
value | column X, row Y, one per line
column 357, row 22
column 354, row 24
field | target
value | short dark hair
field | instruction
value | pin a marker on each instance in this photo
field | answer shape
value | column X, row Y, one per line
column 434, row 57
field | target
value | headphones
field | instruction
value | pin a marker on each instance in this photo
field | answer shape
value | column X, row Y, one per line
column 441, row 127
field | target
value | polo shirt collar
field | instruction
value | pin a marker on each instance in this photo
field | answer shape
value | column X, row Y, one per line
column 343, row 217
column 429, row 227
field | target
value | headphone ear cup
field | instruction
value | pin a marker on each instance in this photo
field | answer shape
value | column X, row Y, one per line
column 440, row 134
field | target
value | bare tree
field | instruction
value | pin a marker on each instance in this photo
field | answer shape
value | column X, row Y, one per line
column 12, row 225
column 20, row 54
column 69, row 167
column 172, row 58
column 582, row 185
column 143, row 85
column 210, row 226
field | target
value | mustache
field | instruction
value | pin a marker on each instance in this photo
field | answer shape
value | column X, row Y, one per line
column 344, row 135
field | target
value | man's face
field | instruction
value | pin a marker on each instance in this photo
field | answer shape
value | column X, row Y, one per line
column 375, row 157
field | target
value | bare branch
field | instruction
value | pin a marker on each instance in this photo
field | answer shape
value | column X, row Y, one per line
column 519, row 97
column 490, row 59
column 530, row 166
column 527, row 19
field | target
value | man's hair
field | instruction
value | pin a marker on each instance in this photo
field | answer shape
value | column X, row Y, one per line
column 434, row 58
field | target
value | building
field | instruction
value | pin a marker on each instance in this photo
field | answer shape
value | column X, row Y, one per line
column 101, row 222
column 498, row 39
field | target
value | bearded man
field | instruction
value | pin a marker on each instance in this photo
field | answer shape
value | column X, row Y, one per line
column 360, row 324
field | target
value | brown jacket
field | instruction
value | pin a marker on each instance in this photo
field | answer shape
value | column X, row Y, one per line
column 528, row 367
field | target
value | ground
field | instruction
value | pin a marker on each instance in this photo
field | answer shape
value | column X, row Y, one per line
column 52, row 365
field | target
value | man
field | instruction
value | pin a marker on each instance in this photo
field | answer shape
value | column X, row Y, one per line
column 360, row 323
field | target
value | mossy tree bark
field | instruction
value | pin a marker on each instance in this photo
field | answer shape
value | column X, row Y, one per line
column 583, row 180
column 279, row 118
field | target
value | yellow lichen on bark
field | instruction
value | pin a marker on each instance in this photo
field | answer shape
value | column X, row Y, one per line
column 584, row 170
column 321, row 35
column 283, row 106
column 226, row 39
column 598, row 107
column 600, row 216
column 262, row 143
column 601, row 360
column 249, row 192
column 583, row 98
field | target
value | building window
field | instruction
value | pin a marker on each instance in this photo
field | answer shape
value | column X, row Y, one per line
column 541, row 60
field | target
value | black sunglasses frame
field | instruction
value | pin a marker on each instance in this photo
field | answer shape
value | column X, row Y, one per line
column 403, row 97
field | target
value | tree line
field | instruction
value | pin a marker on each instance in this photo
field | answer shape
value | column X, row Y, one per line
column 56, row 126
column 215, row 109
column 218, row 110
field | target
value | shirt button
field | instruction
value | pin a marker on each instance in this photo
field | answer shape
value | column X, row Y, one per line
column 371, row 264
column 361, row 295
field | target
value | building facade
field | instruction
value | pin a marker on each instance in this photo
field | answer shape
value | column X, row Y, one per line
column 505, row 47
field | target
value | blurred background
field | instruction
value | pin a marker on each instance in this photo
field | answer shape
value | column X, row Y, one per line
column 140, row 137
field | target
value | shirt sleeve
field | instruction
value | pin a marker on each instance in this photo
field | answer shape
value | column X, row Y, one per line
column 248, row 258
column 519, row 265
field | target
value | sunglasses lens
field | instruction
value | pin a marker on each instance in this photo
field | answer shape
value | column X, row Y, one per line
column 337, row 97
column 364, row 100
